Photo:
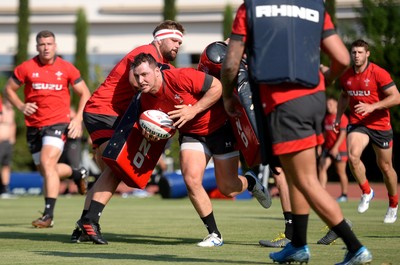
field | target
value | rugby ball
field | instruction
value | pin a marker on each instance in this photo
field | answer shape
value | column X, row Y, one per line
column 157, row 123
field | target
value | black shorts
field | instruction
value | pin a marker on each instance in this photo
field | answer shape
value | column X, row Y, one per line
column 220, row 142
column 72, row 152
column 100, row 127
column 6, row 149
column 382, row 139
column 342, row 156
column 34, row 135
column 297, row 124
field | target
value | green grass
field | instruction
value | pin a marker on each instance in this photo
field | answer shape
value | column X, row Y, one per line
column 158, row 231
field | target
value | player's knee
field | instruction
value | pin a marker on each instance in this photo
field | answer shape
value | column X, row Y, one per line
column 386, row 168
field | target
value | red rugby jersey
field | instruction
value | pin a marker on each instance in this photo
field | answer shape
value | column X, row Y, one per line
column 330, row 135
column 113, row 96
column 48, row 86
column 186, row 86
column 273, row 95
column 368, row 87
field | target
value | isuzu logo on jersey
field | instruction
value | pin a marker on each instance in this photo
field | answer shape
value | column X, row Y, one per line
column 360, row 93
column 46, row 86
column 287, row 11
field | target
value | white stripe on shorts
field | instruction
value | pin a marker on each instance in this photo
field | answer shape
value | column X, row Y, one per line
column 48, row 140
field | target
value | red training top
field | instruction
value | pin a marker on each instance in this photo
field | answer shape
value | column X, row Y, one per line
column 186, row 86
column 48, row 86
column 330, row 135
column 368, row 87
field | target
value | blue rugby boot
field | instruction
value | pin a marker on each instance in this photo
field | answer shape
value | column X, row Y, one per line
column 291, row 254
column 361, row 257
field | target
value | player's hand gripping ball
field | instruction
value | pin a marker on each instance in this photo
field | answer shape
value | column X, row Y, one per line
column 157, row 123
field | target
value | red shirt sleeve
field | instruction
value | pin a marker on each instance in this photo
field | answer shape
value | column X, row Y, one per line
column 344, row 121
column 20, row 73
column 239, row 26
column 73, row 73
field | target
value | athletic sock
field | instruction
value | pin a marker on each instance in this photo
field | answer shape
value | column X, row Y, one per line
column 84, row 212
column 365, row 187
column 49, row 204
column 210, row 224
column 2, row 188
column 76, row 174
column 94, row 212
column 393, row 200
column 300, row 223
column 343, row 230
column 288, row 225
column 251, row 182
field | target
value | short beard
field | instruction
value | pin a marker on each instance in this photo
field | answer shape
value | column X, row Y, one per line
column 170, row 57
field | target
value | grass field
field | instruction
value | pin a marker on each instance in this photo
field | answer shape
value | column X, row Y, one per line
column 158, row 231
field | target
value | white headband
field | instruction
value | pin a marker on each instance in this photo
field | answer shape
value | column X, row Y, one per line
column 168, row 33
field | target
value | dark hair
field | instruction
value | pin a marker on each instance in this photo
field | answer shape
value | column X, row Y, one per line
column 44, row 34
column 169, row 24
column 143, row 58
column 360, row 43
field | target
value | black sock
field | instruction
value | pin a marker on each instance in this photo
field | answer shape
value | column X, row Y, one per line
column 94, row 212
column 343, row 230
column 300, row 223
column 251, row 182
column 76, row 174
column 49, row 204
column 4, row 189
column 84, row 212
column 210, row 224
column 288, row 225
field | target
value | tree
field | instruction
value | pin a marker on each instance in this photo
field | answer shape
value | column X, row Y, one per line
column 228, row 21
column 23, row 32
column 22, row 159
column 81, row 32
column 81, row 58
column 169, row 10
column 170, row 14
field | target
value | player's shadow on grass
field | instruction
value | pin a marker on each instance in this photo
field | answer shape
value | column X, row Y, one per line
column 159, row 240
column 383, row 236
column 144, row 257
column 46, row 235
column 49, row 236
